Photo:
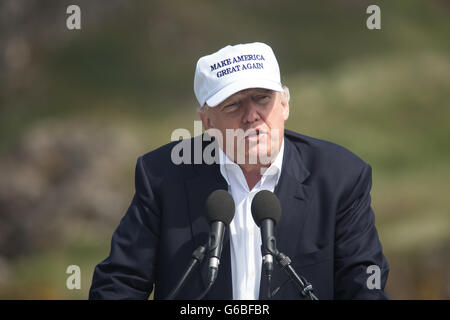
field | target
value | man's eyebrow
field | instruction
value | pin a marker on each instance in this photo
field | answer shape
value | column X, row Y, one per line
column 232, row 99
column 239, row 95
column 266, row 91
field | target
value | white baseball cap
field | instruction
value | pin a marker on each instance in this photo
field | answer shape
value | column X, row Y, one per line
column 235, row 68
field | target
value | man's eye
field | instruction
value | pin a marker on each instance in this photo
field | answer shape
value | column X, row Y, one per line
column 262, row 98
column 231, row 107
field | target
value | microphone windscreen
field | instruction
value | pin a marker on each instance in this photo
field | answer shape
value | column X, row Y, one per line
column 220, row 207
column 265, row 205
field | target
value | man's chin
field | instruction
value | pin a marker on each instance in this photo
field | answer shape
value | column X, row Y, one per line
column 256, row 157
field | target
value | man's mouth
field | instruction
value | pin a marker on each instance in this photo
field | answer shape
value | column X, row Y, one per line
column 254, row 134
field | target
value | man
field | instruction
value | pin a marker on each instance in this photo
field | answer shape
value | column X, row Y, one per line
column 327, row 224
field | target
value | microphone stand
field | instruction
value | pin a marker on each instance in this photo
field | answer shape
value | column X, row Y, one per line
column 197, row 258
column 305, row 287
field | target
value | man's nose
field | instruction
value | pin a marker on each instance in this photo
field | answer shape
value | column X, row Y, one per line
column 251, row 112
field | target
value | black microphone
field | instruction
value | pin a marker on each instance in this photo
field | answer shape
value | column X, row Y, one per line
column 219, row 212
column 266, row 211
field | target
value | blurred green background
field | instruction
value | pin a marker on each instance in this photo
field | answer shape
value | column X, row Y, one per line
column 78, row 107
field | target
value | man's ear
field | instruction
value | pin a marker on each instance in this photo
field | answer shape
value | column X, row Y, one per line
column 207, row 124
column 285, row 105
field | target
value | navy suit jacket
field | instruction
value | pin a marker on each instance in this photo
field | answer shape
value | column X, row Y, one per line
column 327, row 227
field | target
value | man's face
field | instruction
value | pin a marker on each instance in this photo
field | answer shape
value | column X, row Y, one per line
column 258, row 115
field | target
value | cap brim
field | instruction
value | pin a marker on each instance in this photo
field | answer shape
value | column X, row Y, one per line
column 242, row 84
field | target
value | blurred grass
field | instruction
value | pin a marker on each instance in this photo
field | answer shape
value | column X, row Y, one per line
column 382, row 94
column 43, row 275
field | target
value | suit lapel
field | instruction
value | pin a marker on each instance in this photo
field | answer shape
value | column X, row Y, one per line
column 294, row 198
column 206, row 179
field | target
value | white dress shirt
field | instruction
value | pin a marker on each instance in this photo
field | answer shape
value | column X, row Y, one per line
column 245, row 236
